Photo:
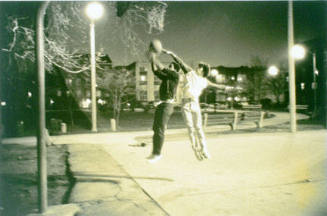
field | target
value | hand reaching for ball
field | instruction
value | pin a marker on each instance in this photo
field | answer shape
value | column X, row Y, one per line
column 155, row 46
column 167, row 52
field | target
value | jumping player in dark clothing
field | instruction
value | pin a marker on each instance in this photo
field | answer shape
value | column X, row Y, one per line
column 167, row 91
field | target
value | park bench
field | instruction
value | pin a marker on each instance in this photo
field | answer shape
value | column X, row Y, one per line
column 254, row 116
column 252, row 106
column 233, row 118
column 300, row 107
column 222, row 118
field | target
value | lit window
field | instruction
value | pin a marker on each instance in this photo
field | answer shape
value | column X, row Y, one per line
column 86, row 103
column 143, row 78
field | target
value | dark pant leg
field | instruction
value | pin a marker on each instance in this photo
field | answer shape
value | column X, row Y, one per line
column 161, row 118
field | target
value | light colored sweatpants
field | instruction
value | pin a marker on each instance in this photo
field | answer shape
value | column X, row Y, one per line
column 193, row 119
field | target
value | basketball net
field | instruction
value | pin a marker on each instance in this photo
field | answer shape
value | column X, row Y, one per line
column 156, row 17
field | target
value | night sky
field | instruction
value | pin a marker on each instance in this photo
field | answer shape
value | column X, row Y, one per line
column 222, row 33
column 229, row 33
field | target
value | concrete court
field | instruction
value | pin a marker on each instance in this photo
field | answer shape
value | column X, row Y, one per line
column 257, row 174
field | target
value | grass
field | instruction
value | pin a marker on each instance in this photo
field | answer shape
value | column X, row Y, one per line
column 18, row 178
column 140, row 121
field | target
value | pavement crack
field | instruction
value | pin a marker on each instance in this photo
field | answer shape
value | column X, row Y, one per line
column 71, row 179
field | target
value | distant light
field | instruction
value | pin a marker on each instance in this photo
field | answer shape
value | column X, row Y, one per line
column 94, row 10
column 298, row 52
column 51, row 101
column 86, row 103
column 239, row 79
column 229, row 98
column 273, row 70
column 236, row 98
column 214, row 72
column 29, row 94
column 102, row 102
column 316, row 72
column 302, row 86
column 232, row 78
column 3, row 103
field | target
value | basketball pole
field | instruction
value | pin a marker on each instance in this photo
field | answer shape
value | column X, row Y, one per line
column 41, row 135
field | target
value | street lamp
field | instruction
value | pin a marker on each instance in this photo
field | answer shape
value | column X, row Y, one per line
column 295, row 52
column 94, row 11
column 273, row 70
column 298, row 51
column 291, row 68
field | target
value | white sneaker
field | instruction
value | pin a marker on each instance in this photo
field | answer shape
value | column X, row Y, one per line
column 197, row 152
column 206, row 154
column 153, row 158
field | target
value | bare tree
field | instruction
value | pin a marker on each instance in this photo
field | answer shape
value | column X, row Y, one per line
column 118, row 83
column 278, row 84
column 67, row 39
column 67, row 23
column 254, row 86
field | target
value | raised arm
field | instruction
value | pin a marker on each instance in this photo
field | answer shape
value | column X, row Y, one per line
column 155, row 63
column 159, row 69
column 177, row 59
column 219, row 86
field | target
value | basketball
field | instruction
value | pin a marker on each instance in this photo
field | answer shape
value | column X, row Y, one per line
column 155, row 46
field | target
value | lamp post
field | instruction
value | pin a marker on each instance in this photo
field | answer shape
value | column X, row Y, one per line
column 314, row 85
column 94, row 11
column 296, row 52
column 291, row 68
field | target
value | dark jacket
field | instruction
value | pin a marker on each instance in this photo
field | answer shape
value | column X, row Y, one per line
column 169, row 81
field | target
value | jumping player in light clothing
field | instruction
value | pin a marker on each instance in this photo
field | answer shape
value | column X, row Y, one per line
column 193, row 83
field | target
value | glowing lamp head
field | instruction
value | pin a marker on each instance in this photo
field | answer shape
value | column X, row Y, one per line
column 298, row 52
column 94, row 10
column 273, row 70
